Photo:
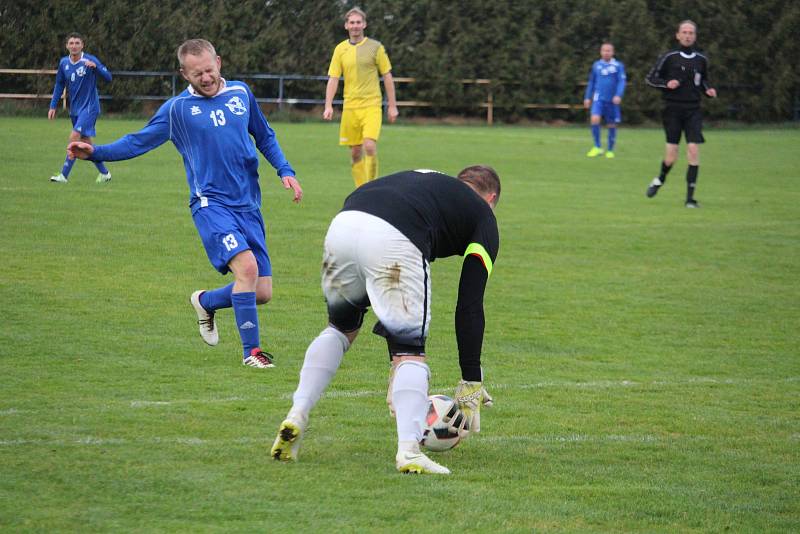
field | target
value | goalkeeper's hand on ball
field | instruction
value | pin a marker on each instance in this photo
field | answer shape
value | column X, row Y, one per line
column 469, row 397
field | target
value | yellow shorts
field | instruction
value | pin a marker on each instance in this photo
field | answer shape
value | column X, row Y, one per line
column 358, row 124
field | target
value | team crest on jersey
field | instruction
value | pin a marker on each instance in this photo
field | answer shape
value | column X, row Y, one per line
column 196, row 110
column 236, row 106
column 81, row 71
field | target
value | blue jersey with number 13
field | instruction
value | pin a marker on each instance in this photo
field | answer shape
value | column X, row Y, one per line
column 213, row 136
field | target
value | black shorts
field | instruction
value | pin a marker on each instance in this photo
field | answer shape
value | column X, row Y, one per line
column 679, row 119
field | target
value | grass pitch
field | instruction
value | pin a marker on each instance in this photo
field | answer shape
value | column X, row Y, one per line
column 643, row 357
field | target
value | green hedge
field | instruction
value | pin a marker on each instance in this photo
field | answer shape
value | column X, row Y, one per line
column 534, row 51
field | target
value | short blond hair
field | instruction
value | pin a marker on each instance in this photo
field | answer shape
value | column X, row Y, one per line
column 356, row 10
column 195, row 47
column 687, row 21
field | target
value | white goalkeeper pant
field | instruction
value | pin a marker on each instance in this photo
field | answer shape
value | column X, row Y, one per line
column 369, row 262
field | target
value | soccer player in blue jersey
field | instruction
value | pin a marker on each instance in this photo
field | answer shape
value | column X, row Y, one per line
column 603, row 96
column 78, row 73
column 211, row 124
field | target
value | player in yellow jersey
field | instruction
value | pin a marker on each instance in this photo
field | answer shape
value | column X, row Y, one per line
column 361, row 61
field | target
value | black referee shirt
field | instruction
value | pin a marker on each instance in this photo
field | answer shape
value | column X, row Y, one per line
column 686, row 65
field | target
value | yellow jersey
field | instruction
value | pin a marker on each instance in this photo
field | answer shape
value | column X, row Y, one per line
column 361, row 65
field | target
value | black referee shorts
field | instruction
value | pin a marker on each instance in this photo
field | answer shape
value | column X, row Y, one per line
column 688, row 120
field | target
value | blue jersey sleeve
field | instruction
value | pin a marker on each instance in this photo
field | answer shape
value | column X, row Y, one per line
column 59, row 88
column 102, row 70
column 590, row 84
column 153, row 135
column 622, row 78
column 266, row 142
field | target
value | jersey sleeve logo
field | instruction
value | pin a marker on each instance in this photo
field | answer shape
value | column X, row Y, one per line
column 236, row 106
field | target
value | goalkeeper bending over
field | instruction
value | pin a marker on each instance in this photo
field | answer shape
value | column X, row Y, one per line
column 377, row 253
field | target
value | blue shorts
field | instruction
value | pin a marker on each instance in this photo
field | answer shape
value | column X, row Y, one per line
column 84, row 123
column 225, row 233
column 610, row 111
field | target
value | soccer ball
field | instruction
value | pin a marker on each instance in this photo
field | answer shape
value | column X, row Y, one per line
column 436, row 436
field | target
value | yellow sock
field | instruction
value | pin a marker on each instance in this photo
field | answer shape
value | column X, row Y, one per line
column 371, row 166
column 359, row 173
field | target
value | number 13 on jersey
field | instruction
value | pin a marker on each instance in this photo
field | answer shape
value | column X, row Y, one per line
column 218, row 117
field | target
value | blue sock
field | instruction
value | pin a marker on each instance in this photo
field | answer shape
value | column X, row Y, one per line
column 612, row 138
column 68, row 163
column 217, row 298
column 596, row 134
column 244, row 308
column 101, row 167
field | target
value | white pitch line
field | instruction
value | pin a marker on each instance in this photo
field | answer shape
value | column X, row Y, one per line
column 149, row 404
column 193, row 441
column 579, row 438
column 346, row 394
column 595, row 384
column 96, row 441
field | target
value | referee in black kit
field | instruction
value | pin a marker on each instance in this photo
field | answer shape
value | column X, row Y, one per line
column 682, row 76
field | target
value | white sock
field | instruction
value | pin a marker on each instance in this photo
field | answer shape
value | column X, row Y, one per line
column 323, row 357
column 408, row 446
column 410, row 398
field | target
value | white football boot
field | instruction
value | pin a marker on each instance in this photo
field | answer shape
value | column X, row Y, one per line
column 103, row 178
column 290, row 434
column 59, row 178
column 259, row 359
column 205, row 320
column 417, row 463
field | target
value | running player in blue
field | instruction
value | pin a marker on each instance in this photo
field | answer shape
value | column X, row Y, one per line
column 603, row 96
column 78, row 73
column 211, row 124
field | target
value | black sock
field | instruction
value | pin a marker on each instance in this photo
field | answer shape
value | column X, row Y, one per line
column 664, row 172
column 691, row 181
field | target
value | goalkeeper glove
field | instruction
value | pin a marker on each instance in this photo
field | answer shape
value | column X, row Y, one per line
column 469, row 397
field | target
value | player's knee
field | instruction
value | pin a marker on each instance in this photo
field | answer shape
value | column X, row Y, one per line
column 346, row 317
column 370, row 147
column 345, row 338
column 414, row 363
column 245, row 269
column 355, row 153
column 263, row 295
column 670, row 154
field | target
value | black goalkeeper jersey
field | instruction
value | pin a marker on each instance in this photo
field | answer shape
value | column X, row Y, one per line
column 443, row 217
column 440, row 214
